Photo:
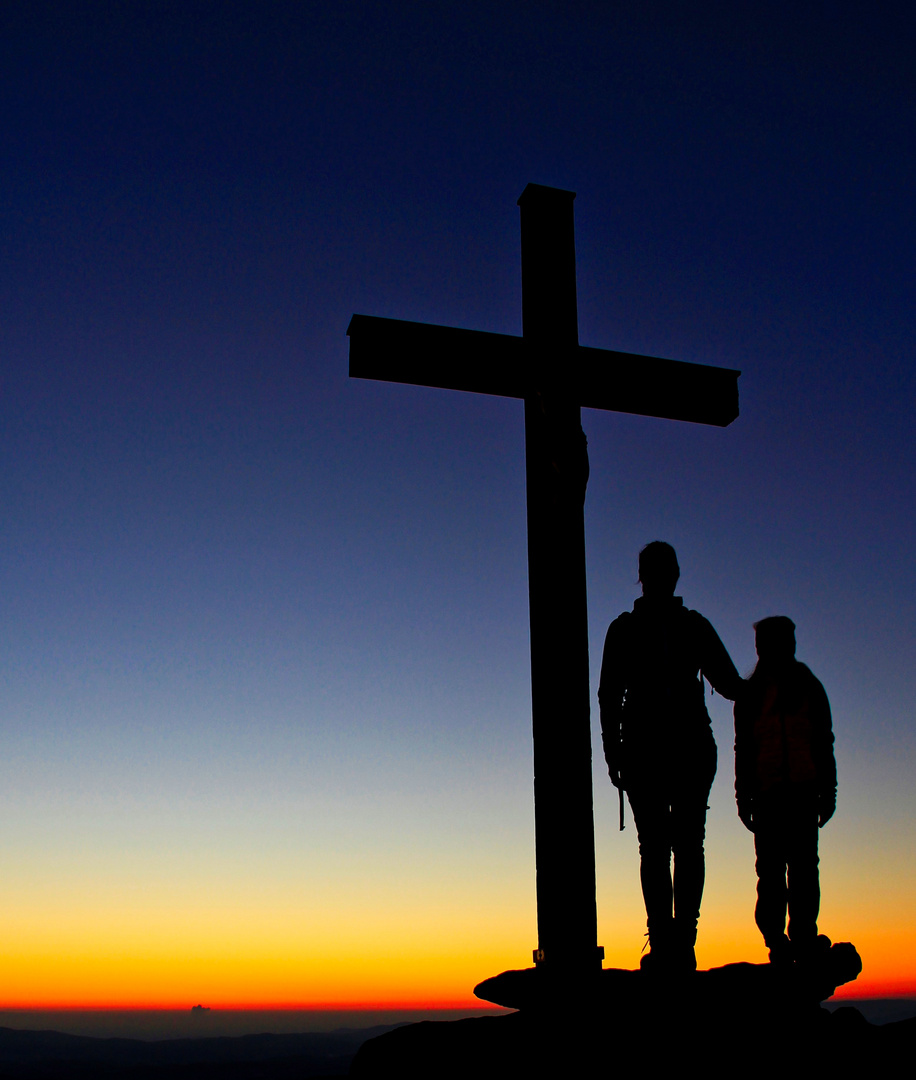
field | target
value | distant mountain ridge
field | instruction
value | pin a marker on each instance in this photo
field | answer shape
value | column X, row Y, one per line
column 41, row 1054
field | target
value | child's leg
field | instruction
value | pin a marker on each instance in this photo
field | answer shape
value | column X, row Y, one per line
column 803, row 882
column 772, row 891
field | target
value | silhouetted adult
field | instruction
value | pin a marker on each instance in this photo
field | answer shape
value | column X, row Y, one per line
column 659, row 745
column 785, row 786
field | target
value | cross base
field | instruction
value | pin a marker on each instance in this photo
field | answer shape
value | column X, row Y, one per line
column 590, row 962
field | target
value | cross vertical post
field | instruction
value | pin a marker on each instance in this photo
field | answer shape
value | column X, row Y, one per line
column 556, row 462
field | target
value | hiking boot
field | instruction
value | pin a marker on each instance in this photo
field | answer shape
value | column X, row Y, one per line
column 683, row 946
column 661, row 946
column 812, row 951
column 656, row 961
column 782, row 954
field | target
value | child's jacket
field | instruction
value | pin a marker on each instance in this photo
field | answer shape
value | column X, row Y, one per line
column 784, row 736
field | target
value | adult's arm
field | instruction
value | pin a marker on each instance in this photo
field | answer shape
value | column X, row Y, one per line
column 611, row 690
column 716, row 664
column 744, row 761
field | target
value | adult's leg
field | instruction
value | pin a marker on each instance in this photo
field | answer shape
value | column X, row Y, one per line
column 688, row 817
column 652, row 814
column 688, row 829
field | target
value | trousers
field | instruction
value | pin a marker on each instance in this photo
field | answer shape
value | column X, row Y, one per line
column 671, row 823
column 785, row 840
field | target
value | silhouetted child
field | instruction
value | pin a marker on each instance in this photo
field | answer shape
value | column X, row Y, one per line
column 785, row 785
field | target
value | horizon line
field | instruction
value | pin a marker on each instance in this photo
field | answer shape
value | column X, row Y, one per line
column 843, row 993
column 360, row 1006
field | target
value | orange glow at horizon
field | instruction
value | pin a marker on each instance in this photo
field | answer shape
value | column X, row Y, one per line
column 412, row 975
column 375, row 983
column 414, row 941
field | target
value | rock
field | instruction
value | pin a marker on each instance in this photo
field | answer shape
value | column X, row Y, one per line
column 674, row 1040
column 747, row 1018
column 755, row 986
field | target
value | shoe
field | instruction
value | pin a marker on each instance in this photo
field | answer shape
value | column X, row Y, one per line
column 655, row 961
column 660, row 940
column 782, row 954
column 686, row 958
column 674, row 960
column 684, row 954
column 811, row 951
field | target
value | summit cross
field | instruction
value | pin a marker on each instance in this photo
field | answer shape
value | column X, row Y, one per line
column 555, row 376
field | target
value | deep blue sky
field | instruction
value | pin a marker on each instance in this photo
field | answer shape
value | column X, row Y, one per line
column 242, row 592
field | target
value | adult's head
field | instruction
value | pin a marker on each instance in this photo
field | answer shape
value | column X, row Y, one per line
column 775, row 639
column 658, row 569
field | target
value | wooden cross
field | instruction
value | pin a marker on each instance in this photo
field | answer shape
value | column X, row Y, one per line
column 555, row 376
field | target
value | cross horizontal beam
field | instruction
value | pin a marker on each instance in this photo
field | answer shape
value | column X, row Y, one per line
column 394, row 350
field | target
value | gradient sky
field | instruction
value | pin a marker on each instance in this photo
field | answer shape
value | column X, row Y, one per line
column 265, row 685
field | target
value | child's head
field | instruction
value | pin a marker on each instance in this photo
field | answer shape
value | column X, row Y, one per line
column 775, row 639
